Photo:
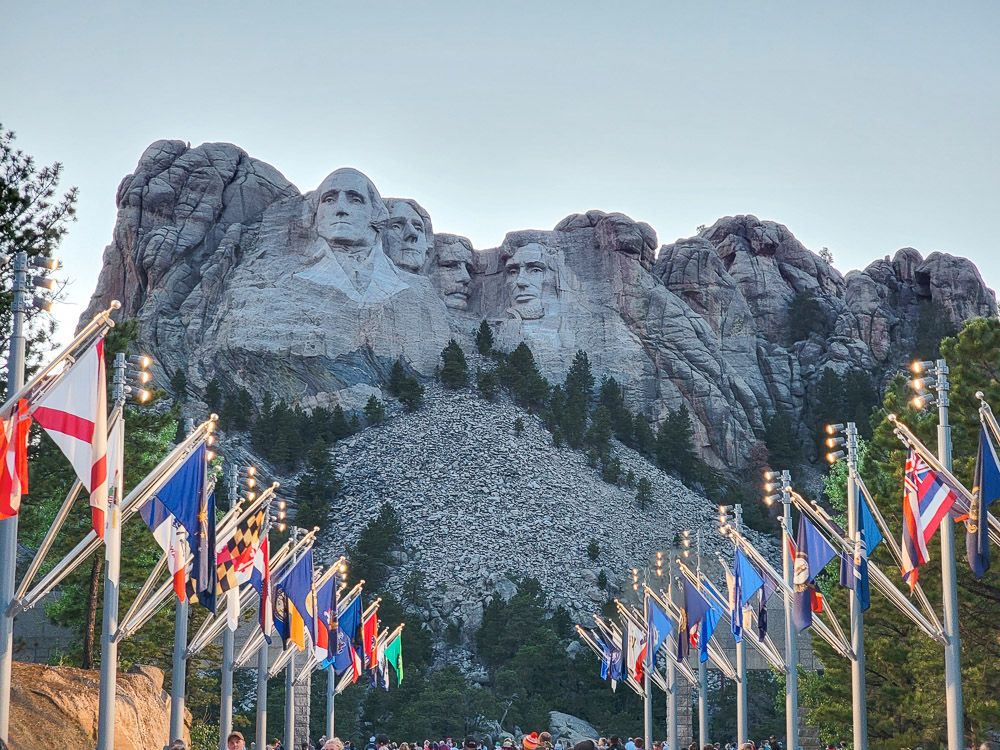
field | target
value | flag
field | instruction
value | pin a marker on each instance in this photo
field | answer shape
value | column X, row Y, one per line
column 260, row 579
column 381, row 671
column 165, row 530
column 232, row 597
column 394, row 656
column 985, row 489
column 812, row 554
column 369, row 639
column 234, row 559
column 14, row 449
column 746, row 581
column 606, row 654
column 708, row 624
column 617, row 661
column 871, row 534
column 658, row 628
column 854, row 575
column 766, row 590
column 348, row 625
column 326, row 620
column 75, row 414
column 693, row 610
column 203, row 565
column 636, row 651
column 926, row 502
column 294, row 602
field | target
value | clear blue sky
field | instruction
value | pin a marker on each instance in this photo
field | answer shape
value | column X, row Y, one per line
column 863, row 126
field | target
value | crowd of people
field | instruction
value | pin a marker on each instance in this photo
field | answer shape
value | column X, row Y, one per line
column 530, row 741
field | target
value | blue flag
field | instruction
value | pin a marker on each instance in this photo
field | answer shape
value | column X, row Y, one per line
column 871, row 534
column 812, row 554
column 985, row 489
column 291, row 605
column 183, row 493
column 348, row 627
column 692, row 612
column 659, row 628
column 746, row 581
column 708, row 624
column 854, row 575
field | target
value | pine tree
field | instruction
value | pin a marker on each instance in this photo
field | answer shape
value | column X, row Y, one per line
column 488, row 383
column 518, row 426
column 213, row 395
column 411, row 394
column 593, row 549
column 578, row 389
column 484, row 339
column 522, row 378
column 454, row 369
column 178, row 385
column 599, row 434
column 374, row 410
column 645, row 440
column 644, row 493
column 316, row 488
column 779, row 435
column 397, row 377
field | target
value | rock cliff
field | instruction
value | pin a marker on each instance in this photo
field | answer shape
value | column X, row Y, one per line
column 234, row 274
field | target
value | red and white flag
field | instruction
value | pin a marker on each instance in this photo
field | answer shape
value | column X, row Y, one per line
column 14, row 452
column 260, row 579
column 75, row 414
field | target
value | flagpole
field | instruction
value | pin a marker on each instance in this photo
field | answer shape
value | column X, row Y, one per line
column 112, row 575
column 949, row 583
column 8, row 526
column 858, row 692
column 791, row 636
column 647, row 681
column 702, row 665
column 671, row 682
column 741, row 654
column 229, row 643
column 331, row 694
column 290, row 701
column 179, row 671
column 261, row 728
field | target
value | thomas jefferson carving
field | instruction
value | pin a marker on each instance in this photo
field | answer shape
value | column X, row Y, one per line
column 452, row 270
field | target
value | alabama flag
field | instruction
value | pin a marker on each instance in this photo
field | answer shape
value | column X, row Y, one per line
column 14, row 457
column 75, row 414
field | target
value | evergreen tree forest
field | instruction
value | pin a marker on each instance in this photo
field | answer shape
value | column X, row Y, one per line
column 905, row 669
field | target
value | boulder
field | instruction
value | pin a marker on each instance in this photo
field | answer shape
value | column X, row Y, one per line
column 57, row 707
column 570, row 729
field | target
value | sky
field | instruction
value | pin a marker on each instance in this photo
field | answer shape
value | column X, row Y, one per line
column 863, row 127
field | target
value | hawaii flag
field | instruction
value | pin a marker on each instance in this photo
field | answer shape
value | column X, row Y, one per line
column 75, row 414
column 927, row 500
column 14, row 449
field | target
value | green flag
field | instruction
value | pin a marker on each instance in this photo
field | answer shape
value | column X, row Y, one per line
column 394, row 655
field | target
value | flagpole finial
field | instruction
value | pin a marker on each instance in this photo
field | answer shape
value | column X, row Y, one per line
column 980, row 395
column 891, row 418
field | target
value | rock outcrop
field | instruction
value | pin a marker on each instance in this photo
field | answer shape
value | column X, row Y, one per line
column 233, row 274
column 57, row 707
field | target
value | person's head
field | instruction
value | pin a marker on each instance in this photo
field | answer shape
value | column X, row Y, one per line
column 471, row 743
column 235, row 741
column 545, row 738
column 381, row 741
column 333, row 743
column 451, row 271
column 639, row 742
column 178, row 745
column 615, row 739
column 747, row 746
column 585, row 745
column 507, row 744
column 349, row 211
column 530, row 741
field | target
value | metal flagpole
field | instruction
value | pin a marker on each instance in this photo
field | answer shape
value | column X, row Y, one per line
column 290, row 702
column 112, row 574
column 702, row 667
column 741, row 657
column 228, row 645
column 8, row 526
column 261, row 728
column 647, row 681
column 331, row 694
column 858, row 692
column 671, row 681
column 949, row 583
column 791, row 635
column 179, row 676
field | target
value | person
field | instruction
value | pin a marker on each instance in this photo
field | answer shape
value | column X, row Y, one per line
column 507, row 744
column 585, row 745
column 333, row 744
column 602, row 743
column 235, row 741
column 615, row 743
column 178, row 745
column 639, row 743
column 747, row 746
column 530, row 741
column 471, row 743
column 545, row 741
column 630, row 744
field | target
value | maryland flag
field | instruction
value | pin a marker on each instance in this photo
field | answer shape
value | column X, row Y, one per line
column 234, row 560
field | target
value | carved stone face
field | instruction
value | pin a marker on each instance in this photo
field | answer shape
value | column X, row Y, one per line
column 525, row 274
column 452, row 274
column 407, row 236
column 345, row 212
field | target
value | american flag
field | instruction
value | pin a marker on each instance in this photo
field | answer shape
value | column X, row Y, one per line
column 926, row 502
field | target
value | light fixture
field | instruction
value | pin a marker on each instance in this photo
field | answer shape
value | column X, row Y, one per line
column 49, row 264
column 40, row 303
column 43, row 282
column 833, row 429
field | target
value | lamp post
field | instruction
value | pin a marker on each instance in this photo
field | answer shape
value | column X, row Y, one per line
column 784, row 496
column 920, row 383
column 8, row 526
column 845, row 437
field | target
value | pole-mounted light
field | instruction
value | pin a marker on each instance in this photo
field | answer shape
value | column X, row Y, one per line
column 922, row 385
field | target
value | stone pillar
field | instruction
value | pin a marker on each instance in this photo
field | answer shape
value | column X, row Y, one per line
column 686, row 701
column 302, row 710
